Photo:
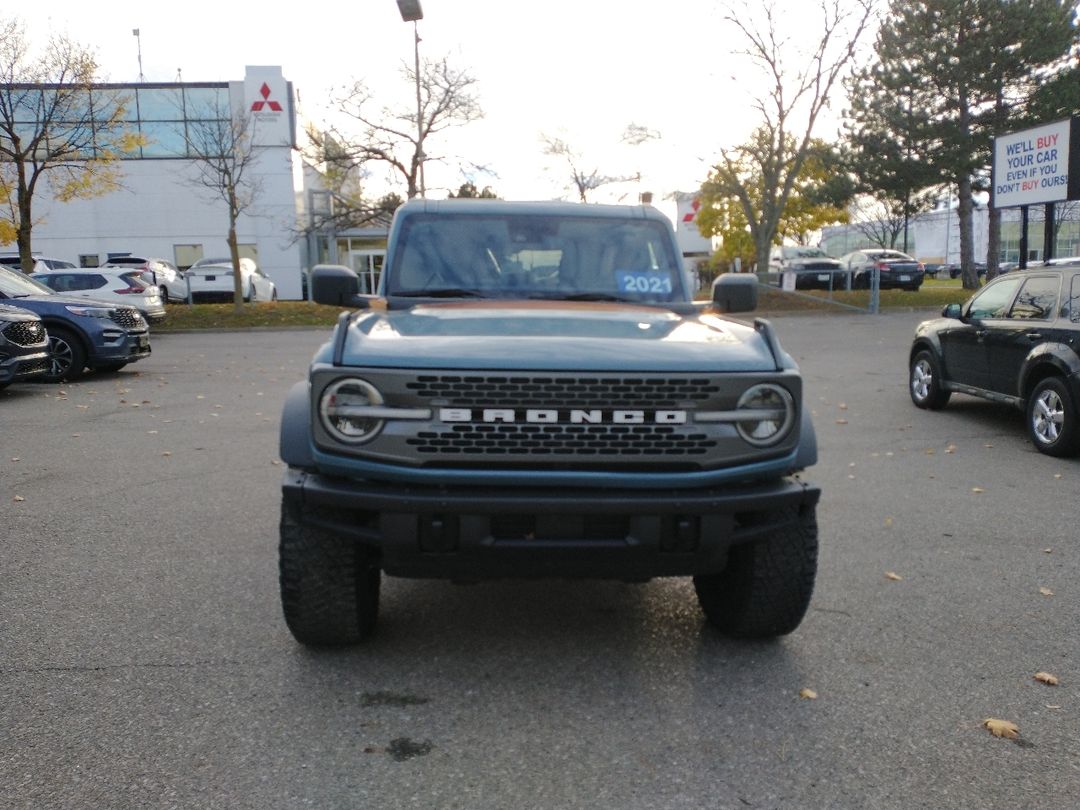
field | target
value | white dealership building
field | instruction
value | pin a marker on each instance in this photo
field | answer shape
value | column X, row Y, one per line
column 162, row 210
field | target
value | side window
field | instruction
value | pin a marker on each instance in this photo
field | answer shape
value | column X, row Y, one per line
column 1074, row 300
column 994, row 300
column 1037, row 299
column 87, row 281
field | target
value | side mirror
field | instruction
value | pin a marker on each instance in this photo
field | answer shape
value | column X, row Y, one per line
column 952, row 311
column 735, row 292
column 336, row 285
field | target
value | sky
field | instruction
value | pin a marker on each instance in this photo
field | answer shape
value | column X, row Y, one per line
column 580, row 70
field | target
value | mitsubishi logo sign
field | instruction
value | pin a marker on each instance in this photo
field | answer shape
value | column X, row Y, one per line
column 264, row 91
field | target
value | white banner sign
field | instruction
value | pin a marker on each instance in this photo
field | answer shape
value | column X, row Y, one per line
column 1032, row 166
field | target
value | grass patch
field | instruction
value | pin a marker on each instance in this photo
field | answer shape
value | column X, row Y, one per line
column 269, row 315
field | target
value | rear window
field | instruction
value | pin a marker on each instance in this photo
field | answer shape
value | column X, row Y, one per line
column 136, row 279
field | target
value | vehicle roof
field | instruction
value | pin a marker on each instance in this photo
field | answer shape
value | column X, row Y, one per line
column 546, row 207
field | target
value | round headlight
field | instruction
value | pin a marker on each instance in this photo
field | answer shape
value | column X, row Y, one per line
column 770, row 413
column 345, row 407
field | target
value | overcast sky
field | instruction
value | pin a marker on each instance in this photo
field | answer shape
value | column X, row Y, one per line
column 581, row 70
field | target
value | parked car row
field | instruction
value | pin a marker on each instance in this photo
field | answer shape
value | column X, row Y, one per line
column 208, row 280
column 816, row 269
column 51, row 336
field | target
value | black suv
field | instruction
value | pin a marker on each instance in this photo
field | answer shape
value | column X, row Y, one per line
column 24, row 346
column 1015, row 341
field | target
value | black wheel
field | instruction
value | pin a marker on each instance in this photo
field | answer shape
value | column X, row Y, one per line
column 329, row 584
column 765, row 589
column 67, row 358
column 1052, row 419
column 924, row 382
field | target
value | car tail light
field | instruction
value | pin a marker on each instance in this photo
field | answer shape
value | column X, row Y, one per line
column 882, row 265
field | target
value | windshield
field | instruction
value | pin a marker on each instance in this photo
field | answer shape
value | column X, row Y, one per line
column 805, row 253
column 535, row 256
column 15, row 285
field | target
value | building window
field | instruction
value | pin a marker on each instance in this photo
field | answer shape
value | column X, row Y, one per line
column 89, row 260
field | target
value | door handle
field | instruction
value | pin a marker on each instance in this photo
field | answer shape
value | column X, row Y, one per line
column 1033, row 336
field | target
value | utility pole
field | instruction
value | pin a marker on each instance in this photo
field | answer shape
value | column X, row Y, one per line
column 138, row 39
column 411, row 11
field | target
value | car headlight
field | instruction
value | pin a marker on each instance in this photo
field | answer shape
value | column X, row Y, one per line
column 90, row 312
column 769, row 414
column 348, row 407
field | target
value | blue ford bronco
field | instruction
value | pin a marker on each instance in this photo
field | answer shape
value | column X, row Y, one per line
column 532, row 392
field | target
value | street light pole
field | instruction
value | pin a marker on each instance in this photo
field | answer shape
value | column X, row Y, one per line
column 138, row 40
column 412, row 12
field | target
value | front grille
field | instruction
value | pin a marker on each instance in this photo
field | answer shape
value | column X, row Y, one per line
column 576, row 392
column 551, row 420
column 566, row 440
column 25, row 333
column 127, row 317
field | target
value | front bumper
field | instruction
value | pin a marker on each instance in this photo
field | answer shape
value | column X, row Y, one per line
column 23, row 366
column 467, row 533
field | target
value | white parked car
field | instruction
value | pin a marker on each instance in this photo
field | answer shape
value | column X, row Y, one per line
column 115, row 285
column 42, row 264
column 211, row 280
column 162, row 272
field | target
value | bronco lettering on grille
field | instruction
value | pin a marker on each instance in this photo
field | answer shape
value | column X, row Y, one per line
column 574, row 416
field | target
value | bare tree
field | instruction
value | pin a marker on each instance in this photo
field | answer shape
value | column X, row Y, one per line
column 583, row 181
column 221, row 144
column 347, row 205
column 789, row 110
column 54, row 124
column 399, row 138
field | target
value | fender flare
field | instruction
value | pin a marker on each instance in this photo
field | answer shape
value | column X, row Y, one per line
column 807, row 453
column 295, row 436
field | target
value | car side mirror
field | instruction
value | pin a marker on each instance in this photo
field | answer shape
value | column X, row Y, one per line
column 337, row 285
column 735, row 292
column 953, row 311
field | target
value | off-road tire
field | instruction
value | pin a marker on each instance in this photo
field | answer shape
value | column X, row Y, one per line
column 924, row 382
column 766, row 587
column 329, row 584
column 67, row 357
column 1052, row 419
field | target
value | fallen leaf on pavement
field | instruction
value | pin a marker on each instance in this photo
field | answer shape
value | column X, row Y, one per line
column 893, row 577
column 1002, row 728
column 1046, row 592
column 1046, row 677
column 808, row 694
column 19, row 499
column 978, row 490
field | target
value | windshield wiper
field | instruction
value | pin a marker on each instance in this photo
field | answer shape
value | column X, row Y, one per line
column 442, row 292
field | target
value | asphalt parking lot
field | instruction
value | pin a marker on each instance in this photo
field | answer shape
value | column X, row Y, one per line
column 144, row 661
